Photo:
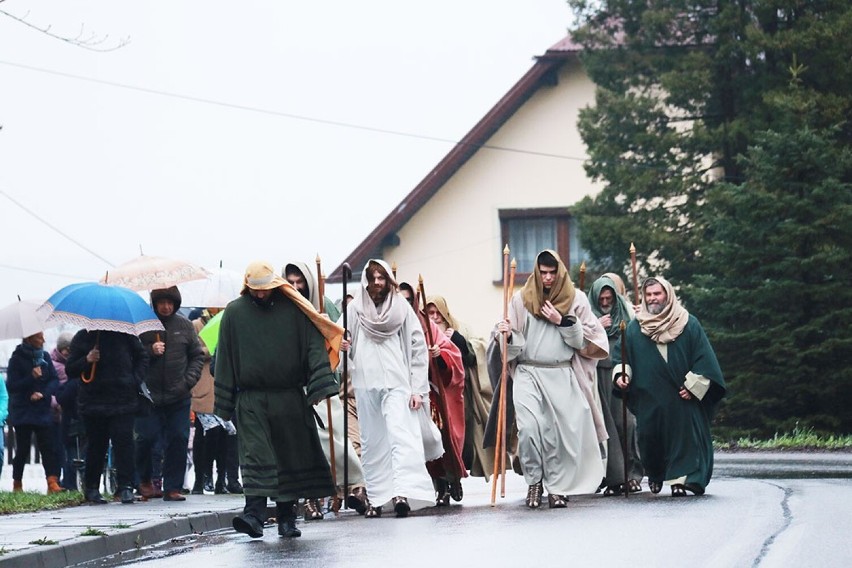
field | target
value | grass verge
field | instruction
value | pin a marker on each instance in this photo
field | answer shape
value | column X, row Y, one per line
column 800, row 439
column 31, row 501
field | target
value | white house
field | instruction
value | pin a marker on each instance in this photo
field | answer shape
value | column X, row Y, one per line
column 512, row 179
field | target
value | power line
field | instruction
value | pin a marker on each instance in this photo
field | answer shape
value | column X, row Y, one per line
column 51, row 227
column 44, row 272
column 281, row 114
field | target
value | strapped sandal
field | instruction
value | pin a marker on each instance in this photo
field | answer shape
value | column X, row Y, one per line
column 694, row 488
column 557, row 501
column 401, row 506
column 635, row 486
column 534, row 495
column 655, row 486
column 613, row 490
column 372, row 512
column 678, row 490
column 313, row 509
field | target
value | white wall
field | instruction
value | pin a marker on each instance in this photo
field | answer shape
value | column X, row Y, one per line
column 454, row 240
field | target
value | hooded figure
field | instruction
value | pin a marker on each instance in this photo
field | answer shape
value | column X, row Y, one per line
column 272, row 366
column 388, row 363
column 675, row 384
column 557, row 433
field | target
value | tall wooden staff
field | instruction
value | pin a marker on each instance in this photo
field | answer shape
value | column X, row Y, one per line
column 582, row 275
column 393, row 269
column 512, row 267
column 636, row 300
column 501, row 405
column 347, row 274
column 335, row 501
column 433, row 368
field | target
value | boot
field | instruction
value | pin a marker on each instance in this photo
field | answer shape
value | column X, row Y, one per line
column 219, row 488
column 53, row 485
column 146, row 489
column 157, row 482
column 17, row 486
column 287, row 519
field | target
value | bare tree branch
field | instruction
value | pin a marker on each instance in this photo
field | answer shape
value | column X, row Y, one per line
column 90, row 41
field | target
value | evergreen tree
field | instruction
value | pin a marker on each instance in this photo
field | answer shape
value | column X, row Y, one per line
column 721, row 138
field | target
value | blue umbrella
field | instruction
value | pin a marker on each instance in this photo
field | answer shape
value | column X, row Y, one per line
column 95, row 306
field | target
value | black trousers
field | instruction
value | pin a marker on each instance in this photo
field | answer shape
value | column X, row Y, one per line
column 100, row 430
column 45, row 439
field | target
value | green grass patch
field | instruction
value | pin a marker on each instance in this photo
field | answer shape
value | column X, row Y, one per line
column 121, row 525
column 800, row 439
column 44, row 541
column 29, row 501
column 92, row 532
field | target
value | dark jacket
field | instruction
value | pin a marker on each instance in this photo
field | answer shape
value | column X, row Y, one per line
column 21, row 385
column 117, row 374
column 172, row 375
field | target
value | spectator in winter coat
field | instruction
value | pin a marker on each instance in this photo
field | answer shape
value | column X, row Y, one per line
column 176, row 359
column 107, row 402
column 31, row 384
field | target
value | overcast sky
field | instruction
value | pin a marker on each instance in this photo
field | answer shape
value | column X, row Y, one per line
column 201, row 155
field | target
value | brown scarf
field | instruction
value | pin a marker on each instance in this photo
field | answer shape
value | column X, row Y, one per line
column 667, row 325
column 561, row 294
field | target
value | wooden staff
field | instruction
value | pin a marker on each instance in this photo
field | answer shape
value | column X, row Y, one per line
column 335, row 500
column 582, row 275
column 347, row 274
column 623, row 326
column 636, row 300
column 512, row 268
column 433, row 367
column 501, row 405
column 393, row 269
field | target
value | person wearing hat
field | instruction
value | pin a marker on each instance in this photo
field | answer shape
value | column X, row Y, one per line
column 176, row 359
column 274, row 361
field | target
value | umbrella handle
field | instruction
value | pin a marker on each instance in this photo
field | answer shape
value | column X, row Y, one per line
column 91, row 376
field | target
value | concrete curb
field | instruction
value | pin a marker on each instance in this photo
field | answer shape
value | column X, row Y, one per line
column 85, row 549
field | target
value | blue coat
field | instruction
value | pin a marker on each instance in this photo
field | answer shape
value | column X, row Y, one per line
column 21, row 385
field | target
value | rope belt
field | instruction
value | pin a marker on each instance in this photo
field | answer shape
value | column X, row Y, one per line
column 548, row 365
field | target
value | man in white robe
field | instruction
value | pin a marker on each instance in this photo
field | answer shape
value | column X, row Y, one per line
column 389, row 370
column 557, row 435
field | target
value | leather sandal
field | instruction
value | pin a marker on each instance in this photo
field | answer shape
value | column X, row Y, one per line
column 678, row 490
column 313, row 510
column 401, row 506
column 557, row 501
column 655, row 486
column 358, row 500
column 534, row 495
column 635, row 486
column 372, row 512
column 613, row 490
column 694, row 488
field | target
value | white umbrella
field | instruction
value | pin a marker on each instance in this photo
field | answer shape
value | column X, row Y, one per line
column 153, row 273
column 215, row 291
column 21, row 319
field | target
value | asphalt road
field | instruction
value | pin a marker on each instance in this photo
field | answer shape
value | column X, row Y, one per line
column 796, row 512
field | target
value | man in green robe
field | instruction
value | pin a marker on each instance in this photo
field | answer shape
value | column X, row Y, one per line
column 673, row 383
column 272, row 364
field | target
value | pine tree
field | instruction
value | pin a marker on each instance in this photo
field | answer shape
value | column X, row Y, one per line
column 721, row 139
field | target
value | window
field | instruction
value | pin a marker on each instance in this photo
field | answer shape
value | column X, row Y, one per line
column 529, row 231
